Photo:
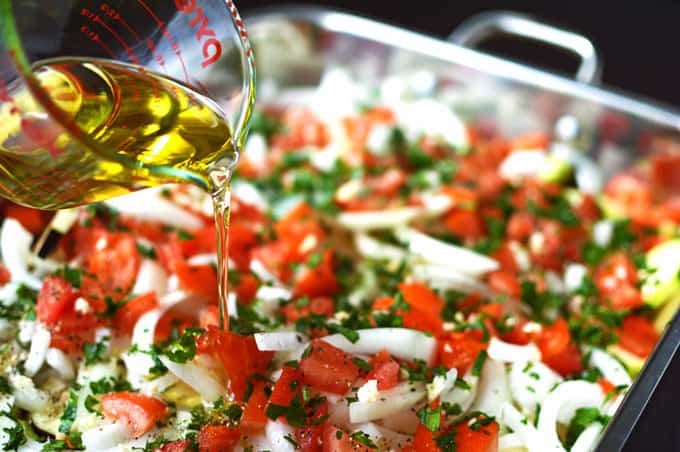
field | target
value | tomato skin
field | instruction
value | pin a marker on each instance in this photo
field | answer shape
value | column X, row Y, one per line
column 56, row 296
column 459, row 352
column 318, row 281
column 465, row 223
column 242, row 239
column 385, row 370
column 128, row 314
column 483, row 440
column 503, row 282
column 254, row 418
column 217, row 438
column 616, row 279
column 422, row 320
column 137, row 412
column 637, row 335
column 557, row 350
column 327, row 368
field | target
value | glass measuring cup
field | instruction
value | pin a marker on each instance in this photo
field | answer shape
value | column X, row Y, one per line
column 48, row 160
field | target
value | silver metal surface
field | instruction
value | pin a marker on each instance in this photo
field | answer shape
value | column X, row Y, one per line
column 486, row 25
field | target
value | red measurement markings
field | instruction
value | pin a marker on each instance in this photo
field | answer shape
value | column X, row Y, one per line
column 175, row 47
column 157, row 56
column 212, row 48
column 94, row 36
column 94, row 18
column 241, row 28
column 115, row 15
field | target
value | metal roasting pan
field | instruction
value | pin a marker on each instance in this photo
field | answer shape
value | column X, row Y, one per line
column 296, row 44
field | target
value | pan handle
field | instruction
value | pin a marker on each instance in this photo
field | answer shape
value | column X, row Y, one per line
column 482, row 26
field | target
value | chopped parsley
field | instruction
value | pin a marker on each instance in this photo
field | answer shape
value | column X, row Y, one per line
column 479, row 363
column 294, row 413
column 430, row 418
column 181, row 348
column 364, row 439
column 70, row 411
column 146, row 251
column 95, row 353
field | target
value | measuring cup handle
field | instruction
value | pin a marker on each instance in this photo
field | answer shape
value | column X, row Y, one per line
column 241, row 125
column 485, row 25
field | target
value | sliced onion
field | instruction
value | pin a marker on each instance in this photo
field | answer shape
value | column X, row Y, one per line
column 200, row 379
column 509, row 353
column 255, row 150
column 402, row 343
column 384, row 438
column 151, row 278
column 441, row 384
column 436, row 204
column 15, row 247
column 463, row 397
column 561, row 404
column 531, row 438
column 530, row 383
column 105, row 437
column 375, row 249
column 573, row 276
column 400, row 398
column 273, row 293
column 432, row 118
column 609, row 367
column 523, row 163
column 26, row 395
column 447, row 278
column 280, row 340
column 510, row 441
column 261, row 271
column 493, row 389
column 447, row 255
column 373, row 220
column 203, row 259
column 149, row 205
column 276, row 433
column 587, row 440
column 249, row 194
column 603, row 231
column 40, row 342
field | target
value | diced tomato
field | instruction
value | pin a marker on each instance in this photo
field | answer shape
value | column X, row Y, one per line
column 616, row 279
column 310, row 438
column 504, row 283
column 254, row 418
column 631, row 191
column 587, row 209
column 517, row 335
column 637, row 335
column 459, row 352
column 298, row 224
column 276, row 257
column 56, row 296
column 327, row 368
column 242, row 238
column 490, row 185
column 209, row 316
column 460, row 196
column 493, row 310
column 201, row 241
column 549, row 254
column 606, row 385
column 531, row 140
column 320, row 306
column 419, row 296
column 557, row 349
column 336, row 440
column 33, row 220
column 217, row 438
column 5, row 275
column 317, row 281
column 286, row 387
column 137, row 412
column 130, row 312
column 170, row 321
column 238, row 354
column 465, row 223
column 115, row 265
column 245, row 288
column 481, row 439
column 520, row 226
column 506, row 258
column 424, row 440
column 198, row 279
column 174, row 446
column 665, row 172
column 385, row 370
column 421, row 320
column 302, row 128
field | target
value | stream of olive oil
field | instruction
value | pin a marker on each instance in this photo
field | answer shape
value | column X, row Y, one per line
column 129, row 129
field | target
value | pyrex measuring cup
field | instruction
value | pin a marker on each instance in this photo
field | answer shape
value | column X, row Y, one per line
column 48, row 161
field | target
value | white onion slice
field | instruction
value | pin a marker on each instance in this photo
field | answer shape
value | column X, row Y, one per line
column 280, row 340
column 15, row 247
column 402, row 343
column 441, row 384
column 561, row 404
column 530, row 437
column 463, row 397
column 400, row 398
column 26, row 395
column 384, row 219
column 603, row 231
column 530, row 383
column 149, row 205
column 432, row 118
column 436, row 204
column 375, row 249
column 151, row 278
column 447, row 278
column 493, row 389
column 249, row 194
column 523, row 163
column 573, row 276
column 198, row 378
column 445, row 254
column 609, row 367
column 384, row 438
column 509, row 353
column 510, row 441
column 276, row 433
column 587, row 440
column 40, row 342
column 105, row 437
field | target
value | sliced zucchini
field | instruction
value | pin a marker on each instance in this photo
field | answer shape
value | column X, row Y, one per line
column 665, row 314
column 632, row 362
column 661, row 280
column 182, row 395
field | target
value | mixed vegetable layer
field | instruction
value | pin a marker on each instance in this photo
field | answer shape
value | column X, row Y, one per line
column 400, row 280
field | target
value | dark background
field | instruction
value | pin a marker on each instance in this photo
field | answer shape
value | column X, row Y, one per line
column 639, row 43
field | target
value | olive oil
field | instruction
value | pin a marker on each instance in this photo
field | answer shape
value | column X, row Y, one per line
column 124, row 128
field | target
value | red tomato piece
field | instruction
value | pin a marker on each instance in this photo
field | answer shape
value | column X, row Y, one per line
column 242, row 238
column 421, row 320
column 557, row 349
column 217, row 438
column 33, row 220
column 385, row 370
column 424, row 440
column 116, row 264
column 137, row 412
column 254, row 418
column 320, row 306
column 175, row 446
column 460, row 352
column 665, row 172
column 465, row 223
column 198, row 279
column 616, row 279
column 504, row 283
column 209, row 316
column 482, row 439
column 336, row 440
column 246, row 287
column 317, row 281
column 327, row 368
column 5, row 275
column 506, row 258
column 56, row 296
column 286, row 387
column 520, row 226
column 419, row 296
column 310, row 438
column 637, row 335
column 130, row 312
column 276, row 257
